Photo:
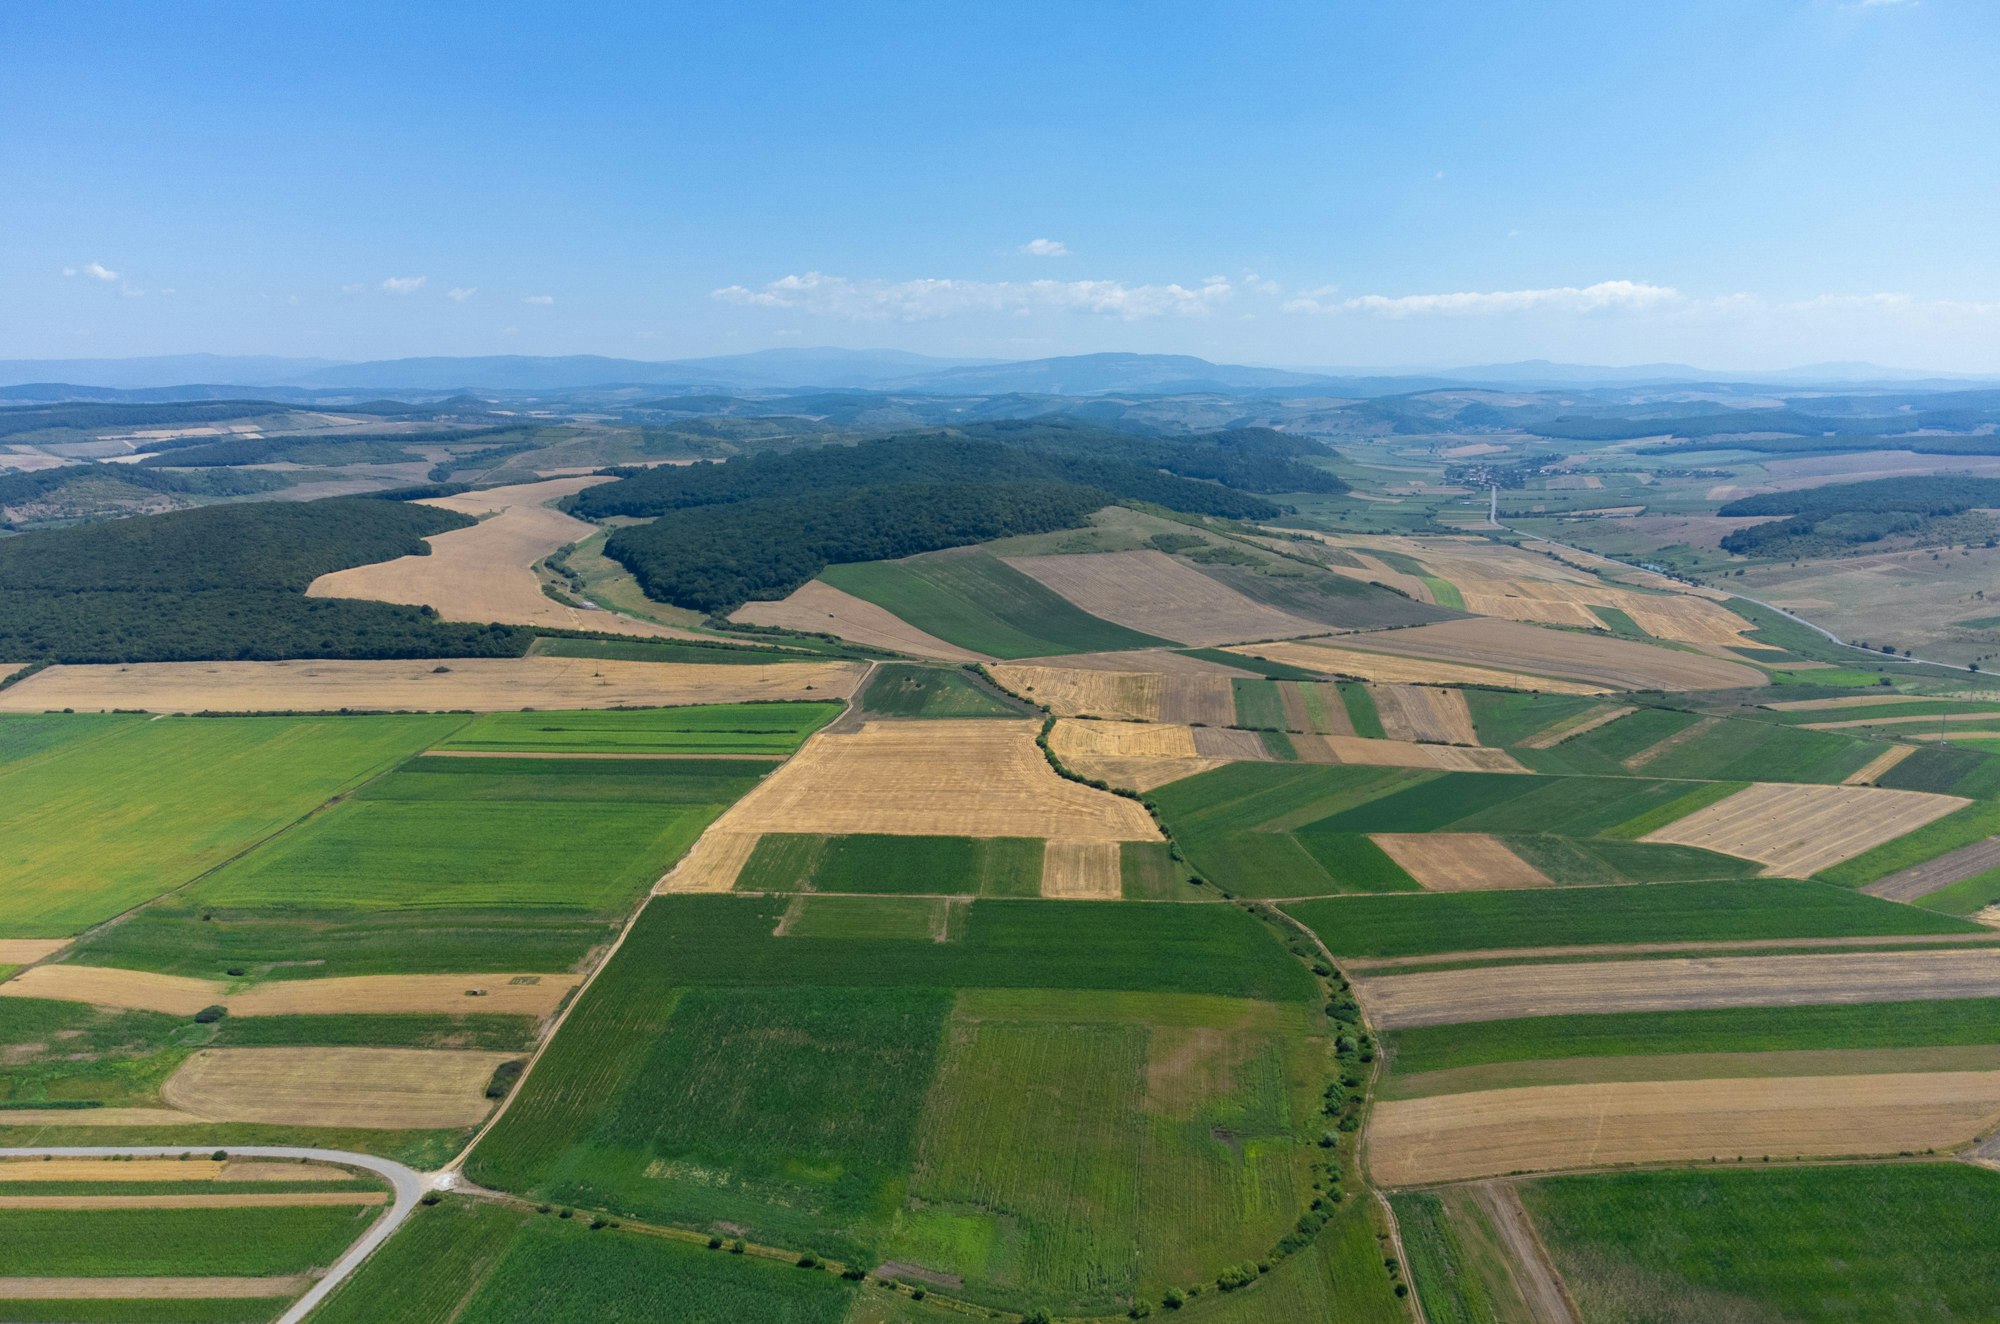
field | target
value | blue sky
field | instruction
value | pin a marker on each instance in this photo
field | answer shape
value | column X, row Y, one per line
column 1750, row 183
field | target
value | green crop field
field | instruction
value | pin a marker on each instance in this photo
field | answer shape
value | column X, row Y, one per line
column 1258, row 705
column 1950, row 771
column 1361, row 711
column 734, row 728
column 114, row 818
column 1149, row 872
column 1414, row 925
column 1504, row 718
column 1961, row 827
column 469, row 833
column 23, row 735
column 1583, row 862
column 910, row 918
column 1242, row 662
column 1459, row 1265
column 968, row 866
column 199, row 1242
column 247, row 1310
column 905, row 689
column 1707, row 1030
column 979, row 602
column 424, row 1273
column 1901, row 1242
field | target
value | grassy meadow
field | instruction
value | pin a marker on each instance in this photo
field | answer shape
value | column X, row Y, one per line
column 906, row 689
column 775, row 729
column 971, row 866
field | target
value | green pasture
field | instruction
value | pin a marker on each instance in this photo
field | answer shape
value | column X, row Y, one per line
column 245, row 1310
column 118, row 816
column 1258, row 705
column 969, row 866
column 731, row 728
column 983, row 604
column 1962, row 827
column 906, row 689
column 178, row 1242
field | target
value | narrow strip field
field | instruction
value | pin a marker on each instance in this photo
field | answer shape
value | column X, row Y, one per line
column 1621, row 664
column 1392, row 668
column 1158, row 594
column 1459, row 861
column 139, row 990
column 1797, row 830
column 1920, row 880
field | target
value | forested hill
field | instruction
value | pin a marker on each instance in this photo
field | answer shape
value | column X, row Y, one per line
column 224, row 582
column 761, row 525
column 1825, row 520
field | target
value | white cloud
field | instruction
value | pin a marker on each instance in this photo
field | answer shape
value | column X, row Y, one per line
column 404, row 284
column 1045, row 248
column 95, row 270
column 1605, row 296
column 921, row 300
column 540, row 298
column 131, row 292
column 461, row 293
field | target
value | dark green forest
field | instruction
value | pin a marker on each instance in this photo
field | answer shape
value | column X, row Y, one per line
column 226, row 582
column 1826, row 520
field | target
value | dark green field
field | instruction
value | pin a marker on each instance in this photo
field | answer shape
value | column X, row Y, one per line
column 969, row 866
column 1587, row 916
column 979, row 602
column 731, row 728
column 1890, row 1242
column 905, row 689
column 199, row 1242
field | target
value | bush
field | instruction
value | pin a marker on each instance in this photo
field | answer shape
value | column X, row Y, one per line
column 210, row 1015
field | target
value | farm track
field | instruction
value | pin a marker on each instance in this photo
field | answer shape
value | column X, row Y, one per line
column 1542, row 1287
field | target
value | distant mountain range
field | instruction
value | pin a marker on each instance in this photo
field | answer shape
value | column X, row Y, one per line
column 872, row 370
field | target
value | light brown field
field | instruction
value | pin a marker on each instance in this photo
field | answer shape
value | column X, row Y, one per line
column 1138, row 774
column 712, row 863
column 1081, row 870
column 132, row 1288
column 1327, row 717
column 978, row 778
column 1340, row 660
column 1159, row 595
column 1922, row 721
column 1459, row 861
column 1576, row 483
column 1121, row 740
column 1217, row 742
column 1795, row 831
column 138, row 990
column 822, row 608
column 1413, row 712
column 1403, row 754
column 1667, row 744
column 375, row 1088
column 1694, row 1066
column 486, row 572
column 424, row 685
column 1570, row 728
column 210, row 1200
column 101, row 1117
column 1905, row 598
column 1066, row 692
column 1871, row 772
column 1457, row 1137
column 1855, row 701
column 113, row 1170
column 1595, row 659
column 1153, row 661
column 1920, row 880
column 24, row 951
column 1849, row 976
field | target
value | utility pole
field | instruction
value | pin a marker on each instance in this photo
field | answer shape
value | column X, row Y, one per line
column 1493, row 505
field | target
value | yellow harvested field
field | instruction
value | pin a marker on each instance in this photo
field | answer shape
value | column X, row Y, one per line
column 423, row 685
column 1848, row 976
column 487, row 572
column 133, row 1288
column 712, row 863
column 138, row 990
column 1070, row 692
column 1153, row 661
column 1595, row 659
column 977, row 778
column 1138, row 774
column 1163, row 596
column 1922, row 721
column 1082, row 870
column 1795, row 831
column 822, row 608
column 101, row 1117
column 210, row 1200
column 1570, row 728
column 1216, row 742
column 1414, row 712
column 1404, row 754
column 1871, row 772
column 1856, row 701
column 1341, row 660
column 110, row 1170
column 1458, row 1137
column 26, row 951
column 1121, row 740
column 1459, row 861
column 376, row 1088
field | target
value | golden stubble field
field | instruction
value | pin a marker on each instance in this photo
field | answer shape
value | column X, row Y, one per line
column 816, row 607
column 139, row 990
column 1157, row 594
column 1797, row 830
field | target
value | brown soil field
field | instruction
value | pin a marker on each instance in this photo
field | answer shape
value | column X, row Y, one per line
column 1121, row 740
column 111, row 1170
column 1854, row 701
column 212, row 1200
column 712, row 863
column 1138, row 774
column 1340, row 660
column 1459, row 861
column 1795, row 831
column 979, row 778
column 1458, row 1137
column 487, row 572
column 375, row 1088
column 1849, row 976
column 822, row 608
column 25, row 951
column 1200, row 700
column 1421, row 712
column 150, row 1289
column 477, row 684
column 1871, row 772
column 1920, row 880
column 1081, row 870
column 1573, row 727
column 1215, row 742
column 1327, row 718
column 137, row 990
column 1156, row 594
column 1154, row 661
column 1595, row 659
column 1069, row 692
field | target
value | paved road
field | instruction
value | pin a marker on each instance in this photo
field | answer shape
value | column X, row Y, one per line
column 408, row 1185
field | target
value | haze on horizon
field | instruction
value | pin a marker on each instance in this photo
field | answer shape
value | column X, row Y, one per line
column 1406, row 186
